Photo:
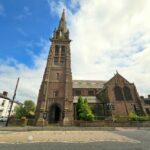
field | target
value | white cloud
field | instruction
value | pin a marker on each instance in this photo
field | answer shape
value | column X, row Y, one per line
column 107, row 36
column 30, row 78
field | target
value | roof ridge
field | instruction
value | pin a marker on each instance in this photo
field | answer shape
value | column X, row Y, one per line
column 91, row 80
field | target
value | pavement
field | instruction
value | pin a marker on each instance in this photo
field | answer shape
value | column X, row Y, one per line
column 55, row 128
column 62, row 136
column 118, row 139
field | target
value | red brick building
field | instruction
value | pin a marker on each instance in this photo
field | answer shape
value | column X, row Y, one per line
column 58, row 93
column 120, row 96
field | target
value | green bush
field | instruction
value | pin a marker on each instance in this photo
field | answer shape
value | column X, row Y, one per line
column 84, row 111
column 26, row 110
column 20, row 112
column 133, row 116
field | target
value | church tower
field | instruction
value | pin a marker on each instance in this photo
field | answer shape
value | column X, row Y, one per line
column 55, row 100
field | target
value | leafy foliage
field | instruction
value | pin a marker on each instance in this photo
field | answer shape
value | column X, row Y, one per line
column 29, row 108
column 133, row 116
column 84, row 111
column 26, row 110
column 20, row 112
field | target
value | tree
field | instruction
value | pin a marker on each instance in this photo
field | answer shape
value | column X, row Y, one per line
column 20, row 112
column 84, row 111
column 26, row 110
column 29, row 107
column 79, row 106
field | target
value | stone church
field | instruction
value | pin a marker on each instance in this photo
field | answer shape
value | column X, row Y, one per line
column 58, row 93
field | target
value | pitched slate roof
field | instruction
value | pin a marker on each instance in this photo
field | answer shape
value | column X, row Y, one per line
column 88, row 84
column 5, row 97
column 117, row 78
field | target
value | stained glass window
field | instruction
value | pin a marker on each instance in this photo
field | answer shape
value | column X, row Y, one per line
column 127, row 93
column 118, row 93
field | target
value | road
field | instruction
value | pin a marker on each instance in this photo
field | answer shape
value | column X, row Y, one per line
column 120, row 139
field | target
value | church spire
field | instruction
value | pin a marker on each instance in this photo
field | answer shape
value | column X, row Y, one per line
column 61, row 33
column 62, row 23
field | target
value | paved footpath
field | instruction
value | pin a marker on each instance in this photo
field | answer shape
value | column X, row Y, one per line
column 118, row 139
column 62, row 136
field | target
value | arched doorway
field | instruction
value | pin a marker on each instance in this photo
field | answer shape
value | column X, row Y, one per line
column 54, row 113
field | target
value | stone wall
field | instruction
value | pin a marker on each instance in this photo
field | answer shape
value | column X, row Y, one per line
column 109, row 123
column 18, row 122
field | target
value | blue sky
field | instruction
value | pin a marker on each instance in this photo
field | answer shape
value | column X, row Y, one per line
column 106, row 36
column 23, row 23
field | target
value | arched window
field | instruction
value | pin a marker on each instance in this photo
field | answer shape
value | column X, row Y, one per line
column 56, row 50
column 62, row 60
column 118, row 93
column 63, row 51
column 127, row 93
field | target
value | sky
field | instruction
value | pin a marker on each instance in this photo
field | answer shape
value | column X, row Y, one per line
column 106, row 36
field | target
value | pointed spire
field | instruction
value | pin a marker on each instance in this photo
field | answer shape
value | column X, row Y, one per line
column 116, row 71
column 62, row 23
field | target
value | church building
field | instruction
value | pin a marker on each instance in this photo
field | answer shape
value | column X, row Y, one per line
column 58, row 93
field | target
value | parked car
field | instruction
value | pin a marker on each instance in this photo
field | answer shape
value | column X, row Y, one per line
column 3, row 119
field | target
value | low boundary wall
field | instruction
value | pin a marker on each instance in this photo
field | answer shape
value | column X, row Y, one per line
column 109, row 123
